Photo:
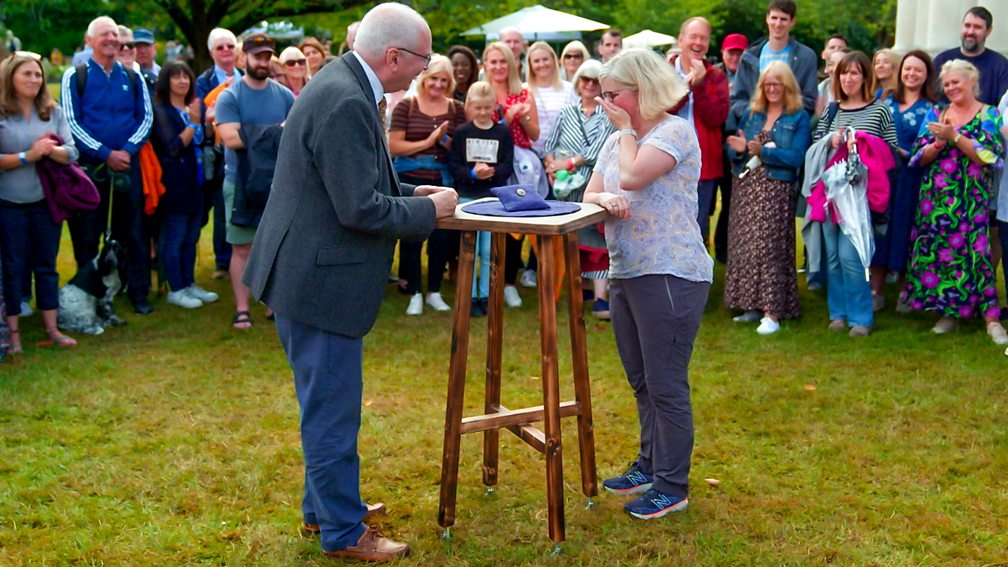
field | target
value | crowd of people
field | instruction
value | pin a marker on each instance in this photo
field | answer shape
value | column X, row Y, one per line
column 769, row 129
column 892, row 162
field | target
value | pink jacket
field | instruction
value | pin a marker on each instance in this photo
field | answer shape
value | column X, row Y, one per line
column 877, row 157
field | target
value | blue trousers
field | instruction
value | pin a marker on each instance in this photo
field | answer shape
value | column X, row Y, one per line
column 655, row 320
column 29, row 243
column 328, row 381
column 848, row 293
column 179, row 235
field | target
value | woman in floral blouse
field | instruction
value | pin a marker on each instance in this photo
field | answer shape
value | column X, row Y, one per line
column 950, row 270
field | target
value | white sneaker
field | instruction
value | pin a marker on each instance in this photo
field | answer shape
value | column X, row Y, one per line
column 183, row 299
column 997, row 333
column 748, row 317
column 437, row 302
column 528, row 278
column 511, row 296
column 26, row 310
column 201, row 294
column 767, row 326
column 415, row 305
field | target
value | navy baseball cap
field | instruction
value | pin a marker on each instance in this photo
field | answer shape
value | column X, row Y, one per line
column 143, row 36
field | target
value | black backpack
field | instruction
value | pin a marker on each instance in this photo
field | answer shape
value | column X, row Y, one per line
column 82, row 78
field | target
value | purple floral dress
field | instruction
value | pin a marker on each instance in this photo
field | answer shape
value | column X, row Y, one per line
column 950, row 270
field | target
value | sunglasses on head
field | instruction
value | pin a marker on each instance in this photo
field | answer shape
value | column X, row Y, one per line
column 293, row 62
column 126, row 45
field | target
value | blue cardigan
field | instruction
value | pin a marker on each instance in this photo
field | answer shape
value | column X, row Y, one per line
column 792, row 133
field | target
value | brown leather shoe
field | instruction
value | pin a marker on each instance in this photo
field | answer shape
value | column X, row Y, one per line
column 372, row 547
column 373, row 511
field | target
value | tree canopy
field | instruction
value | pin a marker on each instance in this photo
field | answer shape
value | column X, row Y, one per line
column 45, row 24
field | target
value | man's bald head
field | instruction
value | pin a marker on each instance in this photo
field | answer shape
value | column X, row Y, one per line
column 390, row 25
column 512, row 37
column 396, row 43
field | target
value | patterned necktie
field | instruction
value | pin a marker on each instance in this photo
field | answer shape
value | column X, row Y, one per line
column 382, row 106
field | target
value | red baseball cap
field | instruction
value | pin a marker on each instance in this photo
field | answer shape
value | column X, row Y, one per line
column 734, row 41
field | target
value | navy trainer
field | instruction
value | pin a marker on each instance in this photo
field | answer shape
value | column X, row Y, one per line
column 655, row 504
column 633, row 481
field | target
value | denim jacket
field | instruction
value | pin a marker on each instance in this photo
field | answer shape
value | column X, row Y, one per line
column 792, row 133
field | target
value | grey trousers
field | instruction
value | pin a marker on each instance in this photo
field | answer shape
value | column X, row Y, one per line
column 655, row 320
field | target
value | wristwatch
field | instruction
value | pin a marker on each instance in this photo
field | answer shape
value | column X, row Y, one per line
column 23, row 158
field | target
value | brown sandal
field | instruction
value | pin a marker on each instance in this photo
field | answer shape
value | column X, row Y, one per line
column 15, row 347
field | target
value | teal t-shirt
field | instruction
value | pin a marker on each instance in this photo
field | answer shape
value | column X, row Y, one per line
column 241, row 103
column 768, row 56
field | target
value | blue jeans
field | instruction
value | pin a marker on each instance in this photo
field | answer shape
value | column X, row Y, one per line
column 848, row 292
column 179, row 235
column 481, row 276
column 1003, row 237
column 328, row 381
column 29, row 243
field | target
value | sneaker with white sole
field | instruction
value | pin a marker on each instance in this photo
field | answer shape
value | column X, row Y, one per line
column 183, row 299
column 528, row 278
column 415, row 305
column 511, row 297
column 655, row 504
column 945, row 325
column 997, row 333
column 767, row 326
column 437, row 302
column 748, row 317
column 633, row 481
column 201, row 294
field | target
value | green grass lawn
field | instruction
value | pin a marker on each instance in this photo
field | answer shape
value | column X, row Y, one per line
column 174, row 441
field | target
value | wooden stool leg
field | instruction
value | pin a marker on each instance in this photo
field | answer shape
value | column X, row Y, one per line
column 579, row 355
column 495, row 333
column 551, row 387
column 456, row 381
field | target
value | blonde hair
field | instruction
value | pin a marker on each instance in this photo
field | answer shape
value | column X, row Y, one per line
column 576, row 46
column 658, row 86
column 530, row 74
column 438, row 64
column 514, row 80
column 890, row 85
column 965, row 68
column 480, row 90
column 589, row 69
column 792, row 93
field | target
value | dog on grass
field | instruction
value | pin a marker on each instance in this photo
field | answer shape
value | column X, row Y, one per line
column 85, row 302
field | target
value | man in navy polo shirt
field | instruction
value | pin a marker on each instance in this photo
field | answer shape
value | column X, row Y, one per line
column 110, row 117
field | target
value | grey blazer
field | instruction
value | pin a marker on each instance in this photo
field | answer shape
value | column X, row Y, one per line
column 323, row 250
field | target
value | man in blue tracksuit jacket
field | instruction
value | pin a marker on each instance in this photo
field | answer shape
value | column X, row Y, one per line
column 110, row 117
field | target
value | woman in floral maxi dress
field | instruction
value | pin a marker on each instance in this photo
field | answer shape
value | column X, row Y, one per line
column 950, row 270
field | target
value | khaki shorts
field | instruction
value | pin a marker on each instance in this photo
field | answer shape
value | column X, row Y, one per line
column 234, row 234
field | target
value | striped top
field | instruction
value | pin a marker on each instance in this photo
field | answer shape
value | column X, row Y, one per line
column 549, row 103
column 875, row 119
column 576, row 134
column 418, row 126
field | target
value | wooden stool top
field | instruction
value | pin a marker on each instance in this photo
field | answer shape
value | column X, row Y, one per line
column 553, row 225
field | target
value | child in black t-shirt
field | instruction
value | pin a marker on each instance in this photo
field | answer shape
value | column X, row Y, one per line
column 480, row 159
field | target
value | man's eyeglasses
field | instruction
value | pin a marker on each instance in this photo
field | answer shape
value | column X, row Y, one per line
column 611, row 95
column 224, row 46
column 126, row 45
column 294, row 62
column 426, row 58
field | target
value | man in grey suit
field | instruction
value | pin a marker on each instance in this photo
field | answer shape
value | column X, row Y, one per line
column 323, row 251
